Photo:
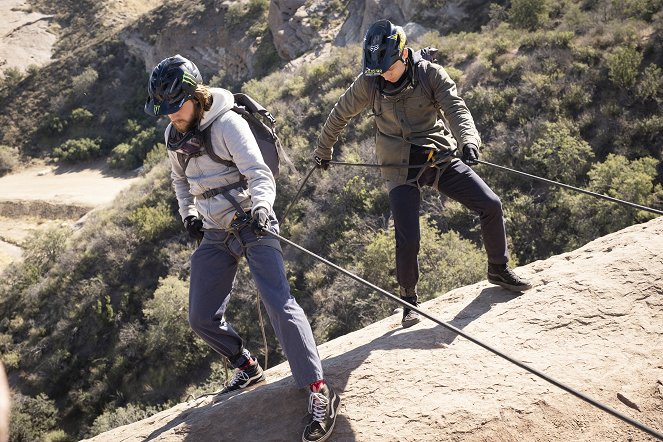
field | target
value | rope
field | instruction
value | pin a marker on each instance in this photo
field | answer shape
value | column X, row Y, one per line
column 534, row 177
column 394, row 166
column 262, row 329
column 566, row 186
column 299, row 192
column 459, row 332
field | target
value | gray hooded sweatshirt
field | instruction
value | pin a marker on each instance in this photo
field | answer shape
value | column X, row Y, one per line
column 232, row 140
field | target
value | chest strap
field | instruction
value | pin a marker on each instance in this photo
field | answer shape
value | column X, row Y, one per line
column 225, row 191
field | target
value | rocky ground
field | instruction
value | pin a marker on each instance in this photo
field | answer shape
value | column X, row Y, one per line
column 25, row 37
column 593, row 321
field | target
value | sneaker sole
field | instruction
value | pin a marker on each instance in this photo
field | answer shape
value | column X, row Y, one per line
column 410, row 323
column 221, row 395
column 510, row 287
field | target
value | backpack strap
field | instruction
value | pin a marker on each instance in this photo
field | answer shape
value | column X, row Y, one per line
column 253, row 107
column 209, row 149
column 421, row 59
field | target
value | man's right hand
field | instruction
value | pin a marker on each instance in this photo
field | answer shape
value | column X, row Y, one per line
column 194, row 226
column 320, row 163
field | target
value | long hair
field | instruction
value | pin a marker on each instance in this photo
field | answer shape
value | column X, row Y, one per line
column 202, row 98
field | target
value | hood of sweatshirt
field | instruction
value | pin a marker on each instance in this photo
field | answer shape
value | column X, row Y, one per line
column 222, row 102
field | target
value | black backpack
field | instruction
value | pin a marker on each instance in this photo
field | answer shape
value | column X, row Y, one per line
column 428, row 54
column 263, row 127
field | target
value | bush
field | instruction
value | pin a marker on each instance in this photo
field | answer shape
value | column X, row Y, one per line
column 84, row 81
column 81, row 115
column 153, row 222
column 167, row 319
column 445, row 260
column 31, row 418
column 8, row 159
column 620, row 178
column 41, row 250
column 650, row 82
column 155, row 156
column 558, row 155
column 623, row 64
column 79, row 149
column 131, row 155
column 116, row 417
column 529, row 14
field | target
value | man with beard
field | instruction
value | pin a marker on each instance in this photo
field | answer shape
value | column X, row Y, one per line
column 228, row 183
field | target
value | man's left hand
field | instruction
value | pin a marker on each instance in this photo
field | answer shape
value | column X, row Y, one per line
column 260, row 221
column 470, row 154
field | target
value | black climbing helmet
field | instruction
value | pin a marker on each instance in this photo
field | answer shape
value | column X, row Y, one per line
column 172, row 82
column 383, row 46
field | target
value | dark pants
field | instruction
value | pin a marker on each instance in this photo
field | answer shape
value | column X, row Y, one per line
column 460, row 183
column 213, row 269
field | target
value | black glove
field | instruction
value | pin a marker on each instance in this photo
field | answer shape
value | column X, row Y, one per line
column 260, row 221
column 470, row 154
column 322, row 164
column 194, row 226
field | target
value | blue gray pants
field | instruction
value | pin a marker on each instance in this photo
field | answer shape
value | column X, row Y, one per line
column 213, row 269
column 459, row 182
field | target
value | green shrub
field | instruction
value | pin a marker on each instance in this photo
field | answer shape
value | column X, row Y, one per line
column 79, row 149
column 446, row 261
column 558, row 154
column 42, row 248
column 529, row 14
column 153, row 222
column 623, row 63
column 131, row 155
column 11, row 77
column 8, row 159
column 155, row 156
column 620, row 178
column 81, row 115
column 84, row 81
column 650, row 82
column 167, row 319
column 117, row 417
column 31, row 418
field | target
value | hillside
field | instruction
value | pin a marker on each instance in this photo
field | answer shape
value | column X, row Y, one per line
column 592, row 322
column 570, row 91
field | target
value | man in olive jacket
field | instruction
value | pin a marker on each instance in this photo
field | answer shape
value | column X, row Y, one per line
column 405, row 92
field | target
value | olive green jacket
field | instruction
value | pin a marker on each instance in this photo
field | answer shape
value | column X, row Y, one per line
column 407, row 118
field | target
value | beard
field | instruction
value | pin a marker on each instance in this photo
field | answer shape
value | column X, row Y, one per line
column 182, row 126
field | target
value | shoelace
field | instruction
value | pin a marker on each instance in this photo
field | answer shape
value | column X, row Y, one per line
column 317, row 406
column 240, row 376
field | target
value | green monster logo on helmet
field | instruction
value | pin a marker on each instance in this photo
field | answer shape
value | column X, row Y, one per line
column 189, row 79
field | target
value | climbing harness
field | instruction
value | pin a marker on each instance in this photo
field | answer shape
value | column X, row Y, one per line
column 459, row 332
column 342, row 163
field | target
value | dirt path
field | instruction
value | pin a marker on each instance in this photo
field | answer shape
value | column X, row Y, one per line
column 42, row 196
